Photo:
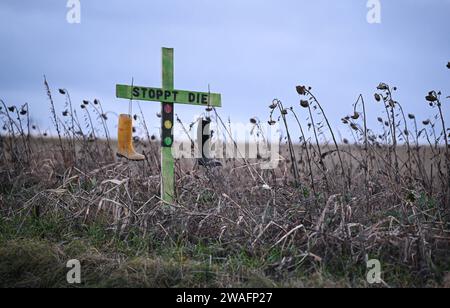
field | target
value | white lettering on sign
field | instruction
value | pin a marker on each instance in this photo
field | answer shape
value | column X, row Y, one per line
column 74, row 14
column 374, row 14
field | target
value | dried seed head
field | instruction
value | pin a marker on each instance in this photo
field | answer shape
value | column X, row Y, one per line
column 377, row 97
column 431, row 97
column 12, row 108
column 304, row 103
column 135, row 117
column 301, row 90
column 153, row 137
column 96, row 102
column 345, row 141
column 65, row 113
column 82, row 106
column 380, row 120
column 411, row 116
column 448, row 65
column 158, row 114
column 209, row 109
column 104, row 116
column 33, row 127
column 86, row 102
column 134, row 129
column 344, row 121
column 355, row 116
column 62, row 91
column 253, row 121
column 272, row 122
column 23, row 112
column 353, row 126
column 426, row 122
column 284, row 111
column 383, row 86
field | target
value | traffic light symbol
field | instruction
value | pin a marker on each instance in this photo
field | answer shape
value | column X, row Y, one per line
column 167, row 125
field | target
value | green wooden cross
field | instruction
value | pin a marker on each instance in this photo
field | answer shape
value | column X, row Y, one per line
column 167, row 95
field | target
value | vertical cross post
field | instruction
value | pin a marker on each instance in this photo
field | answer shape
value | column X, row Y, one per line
column 167, row 112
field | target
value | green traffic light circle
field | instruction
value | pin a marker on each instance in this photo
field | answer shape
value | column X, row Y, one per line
column 168, row 141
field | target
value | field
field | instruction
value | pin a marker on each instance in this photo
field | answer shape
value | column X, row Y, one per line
column 314, row 221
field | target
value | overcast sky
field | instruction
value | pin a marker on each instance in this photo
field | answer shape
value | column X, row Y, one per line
column 251, row 51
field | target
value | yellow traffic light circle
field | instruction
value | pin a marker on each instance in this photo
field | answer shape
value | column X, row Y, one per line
column 168, row 124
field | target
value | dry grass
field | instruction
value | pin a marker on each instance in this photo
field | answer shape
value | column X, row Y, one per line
column 329, row 206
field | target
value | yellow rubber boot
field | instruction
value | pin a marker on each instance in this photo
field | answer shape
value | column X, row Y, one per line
column 125, row 139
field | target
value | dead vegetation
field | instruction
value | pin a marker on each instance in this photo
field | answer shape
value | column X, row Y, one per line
column 316, row 220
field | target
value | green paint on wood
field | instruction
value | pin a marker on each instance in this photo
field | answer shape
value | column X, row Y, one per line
column 167, row 175
column 167, row 161
column 167, row 68
column 169, row 96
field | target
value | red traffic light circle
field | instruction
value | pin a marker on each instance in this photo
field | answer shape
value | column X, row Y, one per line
column 168, row 108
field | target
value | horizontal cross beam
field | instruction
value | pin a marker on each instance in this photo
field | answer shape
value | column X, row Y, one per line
column 169, row 96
